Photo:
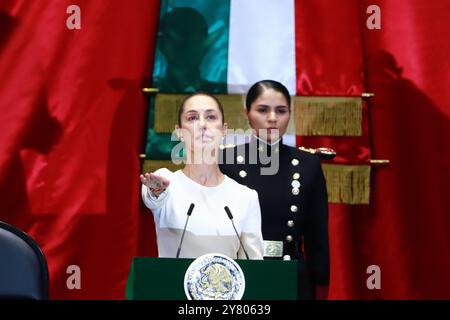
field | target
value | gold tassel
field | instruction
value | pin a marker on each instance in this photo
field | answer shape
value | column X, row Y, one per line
column 328, row 116
column 166, row 112
column 233, row 108
column 153, row 165
column 349, row 184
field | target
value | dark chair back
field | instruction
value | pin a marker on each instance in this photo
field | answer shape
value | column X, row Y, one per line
column 23, row 268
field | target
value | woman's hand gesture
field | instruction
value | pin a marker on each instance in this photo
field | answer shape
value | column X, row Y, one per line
column 156, row 184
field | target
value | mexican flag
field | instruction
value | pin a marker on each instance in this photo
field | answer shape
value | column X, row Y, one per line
column 223, row 46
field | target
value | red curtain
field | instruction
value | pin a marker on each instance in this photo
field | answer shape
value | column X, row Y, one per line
column 72, row 119
column 407, row 67
column 405, row 228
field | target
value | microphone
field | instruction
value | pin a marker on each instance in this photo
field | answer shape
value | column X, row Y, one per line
column 227, row 210
column 191, row 207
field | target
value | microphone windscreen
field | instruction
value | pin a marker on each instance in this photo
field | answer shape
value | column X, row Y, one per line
column 228, row 212
column 191, row 207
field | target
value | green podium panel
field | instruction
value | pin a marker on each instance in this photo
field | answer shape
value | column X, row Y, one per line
column 163, row 279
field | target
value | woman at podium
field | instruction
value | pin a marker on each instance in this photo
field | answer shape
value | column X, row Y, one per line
column 192, row 201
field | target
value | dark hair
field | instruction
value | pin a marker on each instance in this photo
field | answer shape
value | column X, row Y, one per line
column 259, row 87
column 180, row 111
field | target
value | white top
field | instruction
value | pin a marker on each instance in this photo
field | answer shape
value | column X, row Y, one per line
column 209, row 229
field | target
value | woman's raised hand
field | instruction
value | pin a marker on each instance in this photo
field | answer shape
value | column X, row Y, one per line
column 156, row 184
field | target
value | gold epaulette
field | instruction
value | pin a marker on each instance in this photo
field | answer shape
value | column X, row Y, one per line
column 310, row 150
column 323, row 153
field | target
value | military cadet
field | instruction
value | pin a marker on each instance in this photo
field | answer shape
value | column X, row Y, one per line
column 291, row 188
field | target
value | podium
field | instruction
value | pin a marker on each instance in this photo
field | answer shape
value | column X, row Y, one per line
column 163, row 279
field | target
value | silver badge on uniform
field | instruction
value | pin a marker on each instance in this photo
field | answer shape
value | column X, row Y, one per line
column 273, row 248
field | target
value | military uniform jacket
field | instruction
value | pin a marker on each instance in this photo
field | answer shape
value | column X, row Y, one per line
column 293, row 201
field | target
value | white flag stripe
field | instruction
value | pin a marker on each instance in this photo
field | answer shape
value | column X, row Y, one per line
column 261, row 43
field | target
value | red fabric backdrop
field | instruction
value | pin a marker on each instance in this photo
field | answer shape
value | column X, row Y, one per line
column 406, row 64
column 72, row 120
column 408, row 68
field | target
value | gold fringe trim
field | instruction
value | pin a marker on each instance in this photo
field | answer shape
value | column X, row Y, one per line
column 345, row 184
column 328, row 116
column 349, row 184
column 167, row 107
column 153, row 165
column 166, row 111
